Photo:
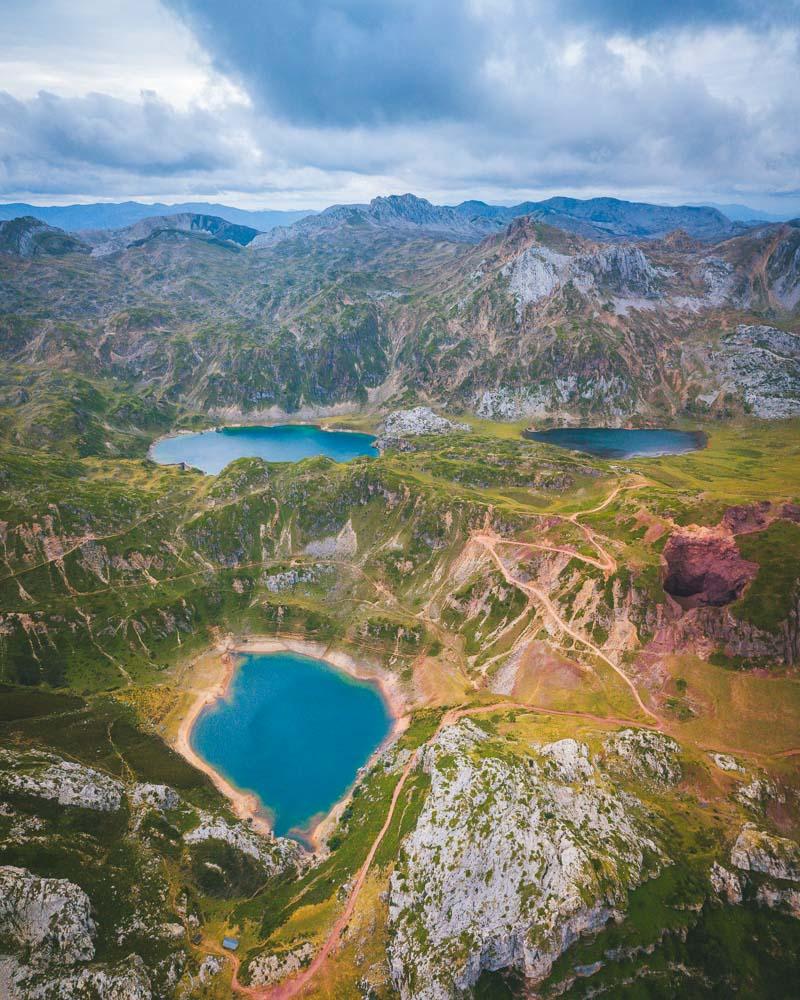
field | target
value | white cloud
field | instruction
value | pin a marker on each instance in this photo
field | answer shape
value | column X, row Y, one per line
column 318, row 101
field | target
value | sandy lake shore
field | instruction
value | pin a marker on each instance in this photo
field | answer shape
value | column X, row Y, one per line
column 246, row 805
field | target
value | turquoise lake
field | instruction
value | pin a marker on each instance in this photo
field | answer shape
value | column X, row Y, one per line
column 211, row 451
column 294, row 731
column 614, row 442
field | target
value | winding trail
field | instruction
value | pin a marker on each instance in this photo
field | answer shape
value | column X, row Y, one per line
column 606, row 563
column 293, row 987
column 490, row 542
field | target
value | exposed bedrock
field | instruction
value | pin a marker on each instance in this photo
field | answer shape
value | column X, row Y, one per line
column 515, row 857
column 704, row 567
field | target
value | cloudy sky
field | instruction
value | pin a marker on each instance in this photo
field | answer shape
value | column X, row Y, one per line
column 302, row 103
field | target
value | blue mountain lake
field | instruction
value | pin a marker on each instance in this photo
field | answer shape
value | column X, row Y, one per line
column 614, row 442
column 211, row 451
column 293, row 730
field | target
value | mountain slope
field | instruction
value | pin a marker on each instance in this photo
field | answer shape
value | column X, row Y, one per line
column 536, row 322
column 28, row 237
column 532, row 321
column 105, row 241
column 111, row 215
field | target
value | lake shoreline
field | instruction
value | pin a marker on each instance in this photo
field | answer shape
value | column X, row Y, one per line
column 549, row 436
column 246, row 805
column 187, row 431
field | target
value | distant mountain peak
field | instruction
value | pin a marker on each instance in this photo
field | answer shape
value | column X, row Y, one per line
column 110, row 241
column 29, row 237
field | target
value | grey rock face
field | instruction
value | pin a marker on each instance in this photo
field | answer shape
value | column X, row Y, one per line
column 762, row 365
column 420, row 420
column 535, row 274
column 127, row 980
column 645, row 755
column 568, row 760
column 560, row 395
column 45, row 776
column 757, row 851
column 49, row 918
column 764, row 864
column 727, row 884
column 511, row 860
column 267, row 969
column 162, row 798
column 274, row 854
column 617, row 271
column 783, row 271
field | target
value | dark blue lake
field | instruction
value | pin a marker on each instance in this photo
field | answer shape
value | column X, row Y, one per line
column 614, row 442
column 211, row 451
column 294, row 731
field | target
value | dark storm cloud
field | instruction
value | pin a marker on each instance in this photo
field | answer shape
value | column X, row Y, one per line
column 339, row 100
column 345, row 61
column 50, row 137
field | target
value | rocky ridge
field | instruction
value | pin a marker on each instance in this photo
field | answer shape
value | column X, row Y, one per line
column 46, row 776
column 420, row 420
column 511, row 860
column 51, row 928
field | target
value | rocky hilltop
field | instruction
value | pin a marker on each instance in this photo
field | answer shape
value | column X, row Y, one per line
column 27, row 237
column 112, row 931
column 509, row 863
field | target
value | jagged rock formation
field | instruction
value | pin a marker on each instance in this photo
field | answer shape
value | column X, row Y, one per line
column 622, row 272
column 767, row 871
column 763, row 365
column 511, row 860
column 644, row 754
column 757, row 851
column 420, row 420
column 49, row 919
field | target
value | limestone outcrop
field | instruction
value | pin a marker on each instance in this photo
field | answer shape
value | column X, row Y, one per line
column 45, row 776
column 512, row 859
column 274, row 855
column 49, row 919
column 265, row 970
column 420, row 420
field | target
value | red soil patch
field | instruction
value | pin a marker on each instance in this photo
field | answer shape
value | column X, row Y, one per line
column 704, row 567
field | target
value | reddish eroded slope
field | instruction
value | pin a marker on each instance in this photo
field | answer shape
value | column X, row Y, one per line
column 704, row 567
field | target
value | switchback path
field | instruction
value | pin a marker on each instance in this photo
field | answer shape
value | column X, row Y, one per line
column 490, row 542
column 295, row 986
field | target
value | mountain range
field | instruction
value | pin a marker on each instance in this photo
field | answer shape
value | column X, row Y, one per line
column 402, row 301
column 596, row 218
column 116, row 215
